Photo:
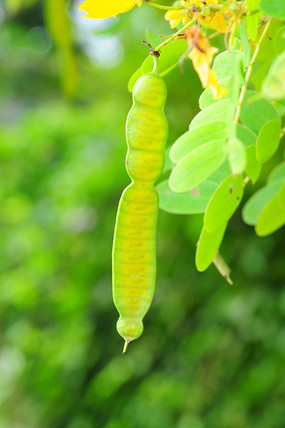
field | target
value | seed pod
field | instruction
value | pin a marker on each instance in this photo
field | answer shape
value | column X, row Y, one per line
column 134, row 248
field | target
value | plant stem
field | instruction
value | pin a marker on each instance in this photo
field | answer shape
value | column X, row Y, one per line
column 248, row 73
column 159, row 47
column 160, row 6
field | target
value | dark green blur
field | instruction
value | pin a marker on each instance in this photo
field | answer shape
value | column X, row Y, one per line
column 212, row 355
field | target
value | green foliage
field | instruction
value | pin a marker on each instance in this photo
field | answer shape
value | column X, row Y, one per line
column 273, row 85
column 274, row 8
column 197, row 166
column 257, row 111
column 208, row 246
column 268, row 140
column 228, row 195
column 192, row 202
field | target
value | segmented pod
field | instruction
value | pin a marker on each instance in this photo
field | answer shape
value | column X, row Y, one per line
column 134, row 247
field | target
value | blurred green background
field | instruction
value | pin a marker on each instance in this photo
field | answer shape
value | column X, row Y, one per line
column 212, row 355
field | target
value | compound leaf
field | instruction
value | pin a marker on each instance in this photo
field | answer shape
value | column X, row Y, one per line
column 208, row 246
column 194, row 201
column 213, row 113
column 259, row 200
column 253, row 167
column 194, row 138
column 271, row 218
column 257, row 111
column 237, row 156
column 197, row 166
column 224, row 202
column 268, row 140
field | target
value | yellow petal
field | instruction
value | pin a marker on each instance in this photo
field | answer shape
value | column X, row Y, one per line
column 218, row 22
column 101, row 9
column 216, row 88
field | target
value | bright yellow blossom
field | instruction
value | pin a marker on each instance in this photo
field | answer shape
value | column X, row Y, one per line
column 216, row 20
column 174, row 17
column 101, row 9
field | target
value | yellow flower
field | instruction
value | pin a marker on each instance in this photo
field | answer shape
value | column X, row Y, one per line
column 217, row 21
column 202, row 54
column 101, row 9
column 174, row 17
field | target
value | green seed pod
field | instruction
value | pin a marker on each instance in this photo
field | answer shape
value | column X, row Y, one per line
column 134, row 247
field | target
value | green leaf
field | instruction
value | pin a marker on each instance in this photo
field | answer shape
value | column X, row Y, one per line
column 213, row 113
column 266, row 55
column 281, row 196
column 167, row 61
column 195, row 138
column 207, row 98
column 194, row 201
column 268, row 140
column 271, row 218
column 246, row 135
column 279, row 40
column 253, row 167
column 258, row 201
column 198, row 165
column 277, row 173
column 223, row 65
column 274, row 8
column 274, row 83
column 221, row 173
column 237, row 157
column 257, row 111
column 244, row 34
column 224, row 202
column 252, row 21
column 208, row 246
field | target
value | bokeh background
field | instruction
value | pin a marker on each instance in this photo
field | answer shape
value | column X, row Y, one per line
column 212, row 355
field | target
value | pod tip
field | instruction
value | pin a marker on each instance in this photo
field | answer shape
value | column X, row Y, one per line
column 126, row 345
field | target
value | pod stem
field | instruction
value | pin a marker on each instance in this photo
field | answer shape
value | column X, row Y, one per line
column 126, row 345
column 155, row 64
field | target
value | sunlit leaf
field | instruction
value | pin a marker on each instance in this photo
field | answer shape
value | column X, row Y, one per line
column 274, row 83
column 246, row 135
column 279, row 40
column 213, row 113
column 237, row 157
column 281, row 196
column 259, row 200
column 244, row 34
column 192, row 202
column 252, row 20
column 268, row 140
column 277, row 173
column 207, row 98
column 253, row 167
column 224, row 202
column 274, row 8
column 271, row 218
column 223, row 65
column 198, row 165
column 208, row 246
column 257, row 111
column 195, row 138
